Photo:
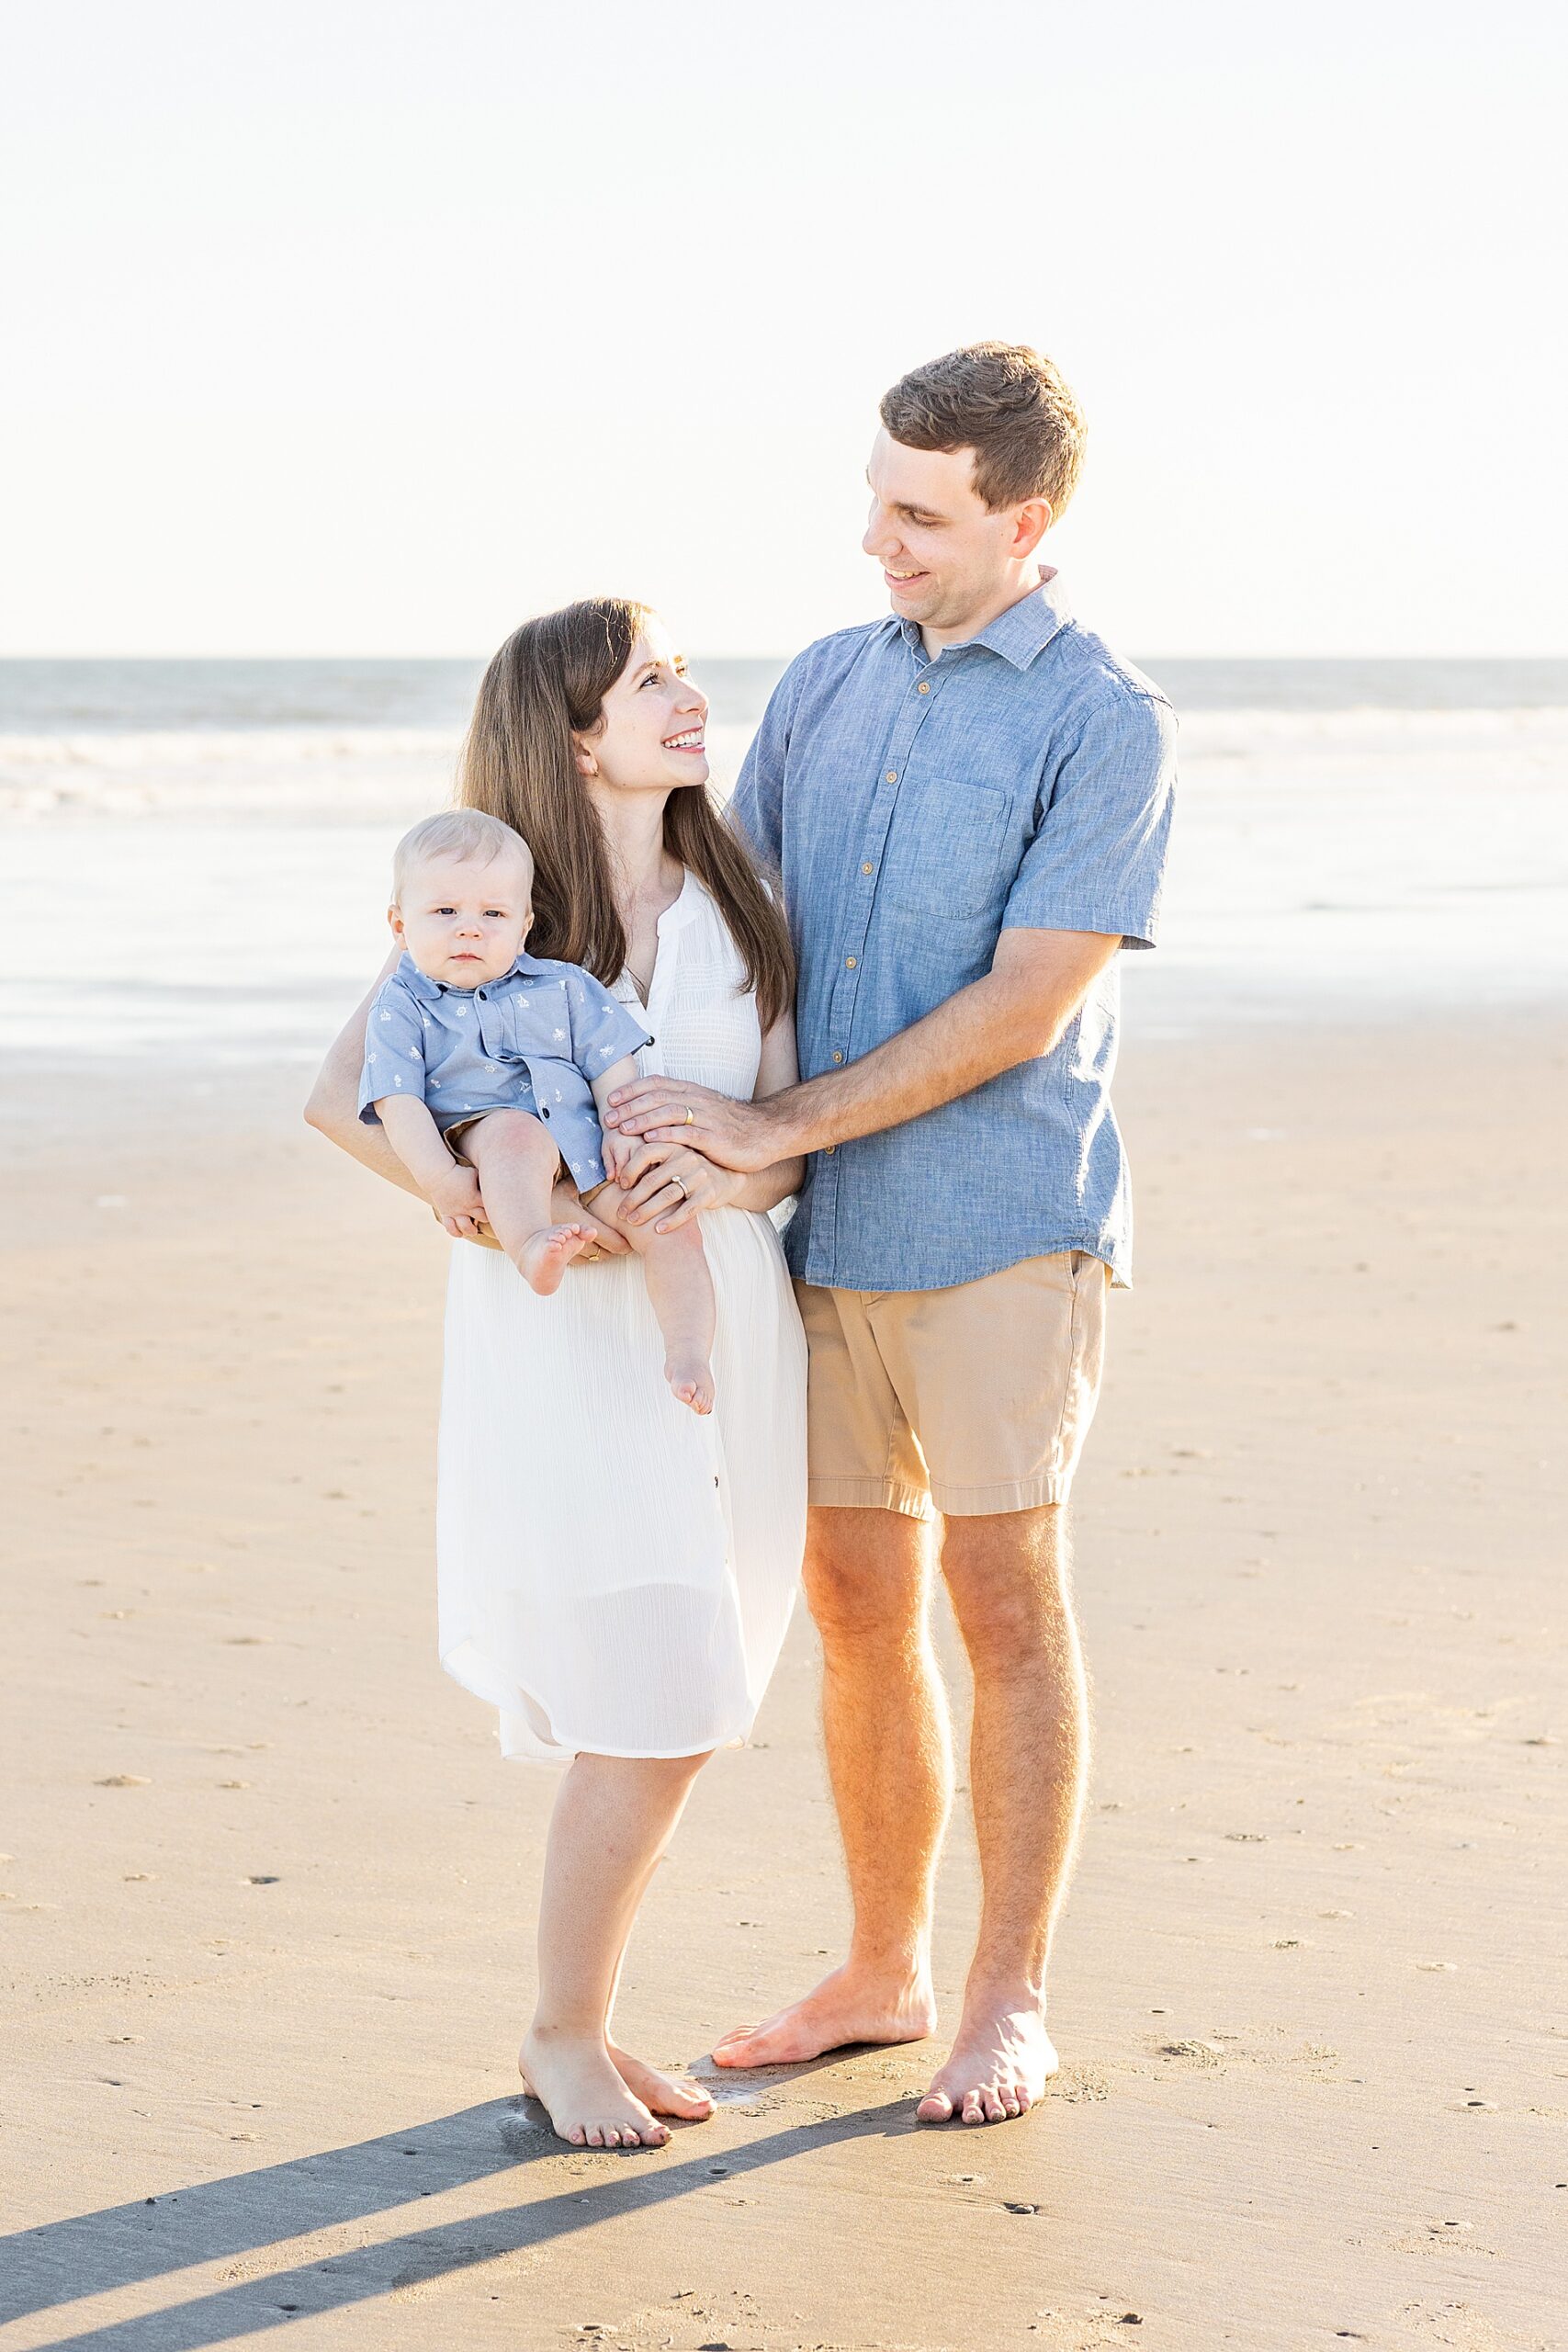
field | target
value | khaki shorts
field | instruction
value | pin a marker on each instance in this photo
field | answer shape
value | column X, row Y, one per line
column 962, row 1401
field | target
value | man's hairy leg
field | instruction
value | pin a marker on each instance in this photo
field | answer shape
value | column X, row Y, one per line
column 889, row 1756
column 1009, row 1578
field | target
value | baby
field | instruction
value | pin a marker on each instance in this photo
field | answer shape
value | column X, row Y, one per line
column 476, row 1049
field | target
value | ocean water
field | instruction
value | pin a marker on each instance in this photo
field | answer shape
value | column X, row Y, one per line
column 1355, row 840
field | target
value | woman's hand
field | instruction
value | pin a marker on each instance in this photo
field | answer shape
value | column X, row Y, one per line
column 667, row 1184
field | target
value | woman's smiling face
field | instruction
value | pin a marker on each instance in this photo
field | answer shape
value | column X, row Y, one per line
column 651, row 732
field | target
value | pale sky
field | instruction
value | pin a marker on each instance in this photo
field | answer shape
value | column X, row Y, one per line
column 371, row 326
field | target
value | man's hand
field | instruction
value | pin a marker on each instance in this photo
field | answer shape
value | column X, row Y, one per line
column 743, row 1135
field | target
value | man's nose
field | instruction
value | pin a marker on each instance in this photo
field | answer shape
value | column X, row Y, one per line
column 880, row 540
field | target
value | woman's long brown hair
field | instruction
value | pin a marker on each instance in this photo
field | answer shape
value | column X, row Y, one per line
column 547, row 684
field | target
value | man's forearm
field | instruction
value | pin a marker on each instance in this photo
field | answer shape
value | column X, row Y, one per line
column 990, row 1026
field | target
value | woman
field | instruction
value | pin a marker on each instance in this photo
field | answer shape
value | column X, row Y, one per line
column 616, row 1574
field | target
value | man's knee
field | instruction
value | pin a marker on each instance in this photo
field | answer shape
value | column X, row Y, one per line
column 864, row 1577
column 1006, row 1578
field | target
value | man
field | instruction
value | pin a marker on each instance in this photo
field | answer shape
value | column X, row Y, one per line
column 969, row 803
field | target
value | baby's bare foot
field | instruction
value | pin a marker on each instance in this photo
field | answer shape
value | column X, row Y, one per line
column 691, row 1379
column 575, row 2079
column 546, row 1255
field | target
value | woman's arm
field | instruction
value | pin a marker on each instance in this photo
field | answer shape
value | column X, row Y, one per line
column 779, row 1067
column 653, row 1169
column 333, row 1105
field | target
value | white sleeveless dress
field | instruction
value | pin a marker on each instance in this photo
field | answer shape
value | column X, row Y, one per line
column 615, row 1573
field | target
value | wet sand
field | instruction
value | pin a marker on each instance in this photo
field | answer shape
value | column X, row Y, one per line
column 266, row 1893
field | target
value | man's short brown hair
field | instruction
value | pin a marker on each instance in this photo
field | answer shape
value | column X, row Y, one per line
column 1006, row 402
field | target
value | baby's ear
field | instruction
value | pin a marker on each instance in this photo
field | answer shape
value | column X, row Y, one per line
column 395, row 921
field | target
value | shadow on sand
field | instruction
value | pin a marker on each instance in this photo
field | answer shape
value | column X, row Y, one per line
column 126, row 2245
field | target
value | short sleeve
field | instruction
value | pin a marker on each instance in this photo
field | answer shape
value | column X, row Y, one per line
column 756, row 808
column 1096, row 861
column 394, row 1050
column 603, row 1031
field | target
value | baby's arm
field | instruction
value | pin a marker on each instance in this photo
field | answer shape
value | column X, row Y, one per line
column 450, row 1186
column 616, row 1148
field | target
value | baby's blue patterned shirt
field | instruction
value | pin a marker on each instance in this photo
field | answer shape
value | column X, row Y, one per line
column 532, row 1040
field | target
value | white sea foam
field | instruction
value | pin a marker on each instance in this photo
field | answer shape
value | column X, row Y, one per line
column 1344, row 862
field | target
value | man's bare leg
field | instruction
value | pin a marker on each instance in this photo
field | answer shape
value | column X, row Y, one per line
column 1009, row 1576
column 889, row 1756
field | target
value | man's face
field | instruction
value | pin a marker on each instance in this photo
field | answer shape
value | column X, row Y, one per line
column 945, row 554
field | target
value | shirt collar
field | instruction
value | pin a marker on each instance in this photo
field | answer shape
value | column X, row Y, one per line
column 1020, row 633
column 423, row 986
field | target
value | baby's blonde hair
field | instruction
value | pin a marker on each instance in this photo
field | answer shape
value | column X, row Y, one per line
column 457, row 833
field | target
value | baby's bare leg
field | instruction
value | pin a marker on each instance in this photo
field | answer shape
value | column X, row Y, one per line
column 516, row 1162
column 680, row 1290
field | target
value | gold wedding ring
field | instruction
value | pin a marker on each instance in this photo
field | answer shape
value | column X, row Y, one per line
column 691, row 1116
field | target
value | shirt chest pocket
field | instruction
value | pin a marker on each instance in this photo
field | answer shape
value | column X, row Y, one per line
column 948, row 852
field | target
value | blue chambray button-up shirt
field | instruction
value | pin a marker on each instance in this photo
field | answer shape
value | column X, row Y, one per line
column 532, row 1040
column 916, row 809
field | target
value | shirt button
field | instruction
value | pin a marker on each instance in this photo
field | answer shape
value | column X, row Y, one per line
column 923, row 688
column 828, row 1149
column 892, row 776
column 838, row 1058
column 868, row 868
column 849, row 962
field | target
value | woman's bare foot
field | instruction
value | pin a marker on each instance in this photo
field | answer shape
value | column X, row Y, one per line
column 546, row 1255
column 1001, row 2061
column 849, row 2006
column 587, row 2099
column 691, row 1379
column 665, row 2094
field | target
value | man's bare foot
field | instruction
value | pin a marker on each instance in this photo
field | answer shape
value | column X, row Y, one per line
column 850, row 2006
column 665, row 2094
column 587, row 2099
column 691, row 1379
column 546, row 1255
column 1001, row 2062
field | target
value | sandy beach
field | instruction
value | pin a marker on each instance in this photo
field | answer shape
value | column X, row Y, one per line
column 267, row 1888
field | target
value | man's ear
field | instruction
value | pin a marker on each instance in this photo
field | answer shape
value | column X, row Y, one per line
column 1035, row 517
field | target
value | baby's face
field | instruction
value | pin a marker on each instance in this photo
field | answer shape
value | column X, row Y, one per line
column 464, row 920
